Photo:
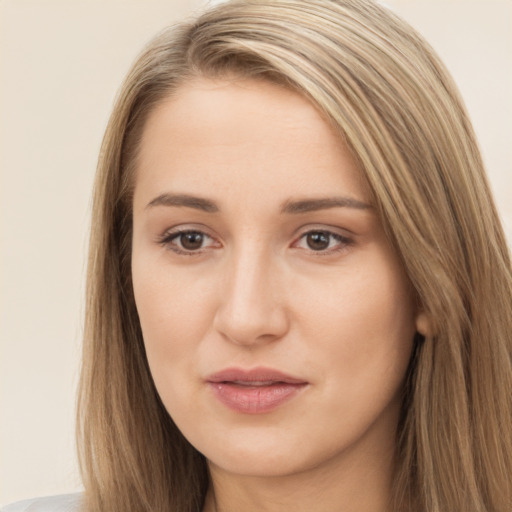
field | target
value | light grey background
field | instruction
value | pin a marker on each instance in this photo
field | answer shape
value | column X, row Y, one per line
column 61, row 62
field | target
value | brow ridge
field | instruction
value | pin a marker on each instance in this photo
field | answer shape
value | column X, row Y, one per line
column 310, row 205
column 288, row 207
column 184, row 200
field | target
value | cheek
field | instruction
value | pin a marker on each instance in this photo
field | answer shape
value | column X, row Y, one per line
column 363, row 327
column 175, row 312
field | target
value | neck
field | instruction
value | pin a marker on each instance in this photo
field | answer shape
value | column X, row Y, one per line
column 349, row 483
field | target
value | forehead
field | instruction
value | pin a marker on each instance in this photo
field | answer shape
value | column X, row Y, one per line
column 248, row 135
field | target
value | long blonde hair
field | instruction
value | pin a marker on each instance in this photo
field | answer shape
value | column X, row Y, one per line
column 392, row 101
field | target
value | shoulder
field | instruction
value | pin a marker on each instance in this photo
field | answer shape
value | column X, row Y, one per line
column 61, row 503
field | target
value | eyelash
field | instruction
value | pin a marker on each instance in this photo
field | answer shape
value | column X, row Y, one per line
column 167, row 238
column 342, row 242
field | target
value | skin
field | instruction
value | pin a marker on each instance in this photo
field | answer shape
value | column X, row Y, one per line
column 253, row 292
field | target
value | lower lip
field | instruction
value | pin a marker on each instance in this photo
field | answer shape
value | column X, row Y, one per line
column 254, row 399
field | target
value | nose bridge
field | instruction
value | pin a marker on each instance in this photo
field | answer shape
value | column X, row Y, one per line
column 251, row 308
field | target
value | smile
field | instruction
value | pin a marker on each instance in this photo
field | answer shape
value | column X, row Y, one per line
column 255, row 391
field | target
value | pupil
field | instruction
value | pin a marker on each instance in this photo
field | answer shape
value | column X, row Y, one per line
column 192, row 240
column 318, row 241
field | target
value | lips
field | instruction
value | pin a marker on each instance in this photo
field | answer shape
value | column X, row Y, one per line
column 255, row 391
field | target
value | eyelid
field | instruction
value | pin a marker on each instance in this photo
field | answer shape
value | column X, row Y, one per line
column 344, row 240
column 170, row 234
column 166, row 238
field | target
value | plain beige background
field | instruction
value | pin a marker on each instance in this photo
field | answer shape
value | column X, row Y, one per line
column 61, row 62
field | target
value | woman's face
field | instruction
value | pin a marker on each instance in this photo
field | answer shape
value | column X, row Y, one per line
column 277, row 319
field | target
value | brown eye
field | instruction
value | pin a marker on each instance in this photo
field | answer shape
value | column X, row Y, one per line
column 188, row 242
column 323, row 242
column 318, row 240
column 191, row 240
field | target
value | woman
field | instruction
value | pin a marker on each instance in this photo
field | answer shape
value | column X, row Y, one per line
column 299, row 292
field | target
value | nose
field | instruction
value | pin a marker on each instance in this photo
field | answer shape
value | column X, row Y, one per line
column 252, row 309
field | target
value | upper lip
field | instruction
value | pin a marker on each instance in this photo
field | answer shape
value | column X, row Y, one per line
column 259, row 374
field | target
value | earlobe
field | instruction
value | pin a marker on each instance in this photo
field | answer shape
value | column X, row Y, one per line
column 423, row 325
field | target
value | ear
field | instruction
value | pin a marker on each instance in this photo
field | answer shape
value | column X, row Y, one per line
column 423, row 324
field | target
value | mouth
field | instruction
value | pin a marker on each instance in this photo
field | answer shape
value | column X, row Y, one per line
column 255, row 391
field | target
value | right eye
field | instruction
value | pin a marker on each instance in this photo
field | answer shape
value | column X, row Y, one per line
column 187, row 242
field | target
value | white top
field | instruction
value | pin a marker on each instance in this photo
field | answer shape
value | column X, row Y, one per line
column 61, row 503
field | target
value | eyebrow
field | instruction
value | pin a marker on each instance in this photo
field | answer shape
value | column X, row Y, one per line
column 289, row 207
column 311, row 205
column 199, row 203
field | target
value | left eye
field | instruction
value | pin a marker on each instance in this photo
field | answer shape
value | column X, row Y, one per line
column 319, row 241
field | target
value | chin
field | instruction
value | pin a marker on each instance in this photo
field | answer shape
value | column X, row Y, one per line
column 257, row 455
column 261, row 465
